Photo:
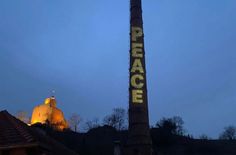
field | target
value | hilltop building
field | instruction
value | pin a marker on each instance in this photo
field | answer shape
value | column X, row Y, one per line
column 48, row 113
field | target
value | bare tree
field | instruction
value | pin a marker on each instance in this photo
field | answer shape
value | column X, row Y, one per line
column 179, row 125
column 23, row 116
column 117, row 119
column 167, row 125
column 172, row 125
column 90, row 124
column 229, row 133
column 204, row 137
column 74, row 121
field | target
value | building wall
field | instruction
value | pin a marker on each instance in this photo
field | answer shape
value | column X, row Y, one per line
column 46, row 112
column 41, row 114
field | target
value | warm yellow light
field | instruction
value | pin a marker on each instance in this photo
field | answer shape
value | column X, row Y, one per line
column 35, row 121
column 49, row 112
column 47, row 101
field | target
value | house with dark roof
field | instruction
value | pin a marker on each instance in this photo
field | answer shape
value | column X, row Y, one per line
column 17, row 138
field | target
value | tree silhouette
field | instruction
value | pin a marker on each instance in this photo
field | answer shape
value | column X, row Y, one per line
column 117, row 119
column 23, row 116
column 179, row 125
column 90, row 124
column 204, row 137
column 172, row 125
column 229, row 133
column 74, row 121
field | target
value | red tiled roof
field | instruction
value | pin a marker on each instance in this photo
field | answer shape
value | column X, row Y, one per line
column 16, row 134
column 13, row 131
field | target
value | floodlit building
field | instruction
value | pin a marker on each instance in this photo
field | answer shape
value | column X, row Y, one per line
column 48, row 113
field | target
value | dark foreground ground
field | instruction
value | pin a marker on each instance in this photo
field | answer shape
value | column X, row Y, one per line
column 101, row 141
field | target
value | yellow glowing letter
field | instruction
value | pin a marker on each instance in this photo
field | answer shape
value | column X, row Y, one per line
column 134, row 81
column 136, row 32
column 137, row 50
column 137, row 96
column 137, row 66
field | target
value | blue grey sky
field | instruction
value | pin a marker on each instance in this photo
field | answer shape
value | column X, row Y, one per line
column 80, row 49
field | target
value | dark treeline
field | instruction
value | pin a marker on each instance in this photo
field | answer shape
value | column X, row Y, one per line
column 118, row 119
column 168, row 136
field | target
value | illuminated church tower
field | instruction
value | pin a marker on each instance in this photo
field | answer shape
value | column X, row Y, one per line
column 139, row 140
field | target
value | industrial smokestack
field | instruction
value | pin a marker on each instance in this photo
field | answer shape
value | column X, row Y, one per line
column 139, row 140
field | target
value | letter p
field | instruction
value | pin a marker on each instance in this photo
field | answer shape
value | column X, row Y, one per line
column 136, row 32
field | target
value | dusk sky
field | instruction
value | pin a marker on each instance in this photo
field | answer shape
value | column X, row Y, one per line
column 80, row 49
